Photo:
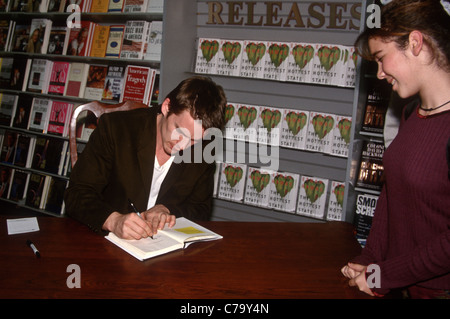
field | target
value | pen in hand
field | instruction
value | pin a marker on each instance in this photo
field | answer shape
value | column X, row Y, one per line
column 136, row 211
column 32, row 246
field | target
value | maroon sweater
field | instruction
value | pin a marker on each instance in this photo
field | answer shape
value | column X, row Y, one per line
column 410, row 234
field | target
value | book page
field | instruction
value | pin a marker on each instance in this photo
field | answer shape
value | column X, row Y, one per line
column 188, row 231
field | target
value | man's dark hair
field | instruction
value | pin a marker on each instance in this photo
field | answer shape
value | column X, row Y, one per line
column 203, row 98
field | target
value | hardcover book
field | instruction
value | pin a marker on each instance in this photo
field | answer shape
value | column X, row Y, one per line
column 371, row 169
column 207, row 55
column 253, row 59
column 283, row 191
column 341, row 136
column 35, row 191
column 49, row 154
column 365, row 210
column 312, row 197
column 299, row 68
column 115, row 38
column 294, row 128
column 8, row 105
column 275, row 64
column 180, row 236
column 59, row 119
column 134, row 39
column 230, row 56
column 320, row 132
column 58, row 78
column 99, row 41
column 257, row 189
column 77, row 78
column 336, row 201
column 95, row 82
column 269, row 125
column 39, row 78
column 138, row 84
column 114, row 83
column 232, row 180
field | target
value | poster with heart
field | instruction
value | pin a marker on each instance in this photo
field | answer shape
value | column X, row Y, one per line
column 294, row 128
column 229, row 57
column 341, row 136
column 230, row 112
column 275, row 65
column 327, row 64
column 299, row 65
column 312, row 196
column 269, row 125
column 207, row 55
column 336, row 201
column 283, row 191
column 320, row 132
column 253, row 59
column 232, row 180
column 244, row 123
column 351, row 62
column 257, row 189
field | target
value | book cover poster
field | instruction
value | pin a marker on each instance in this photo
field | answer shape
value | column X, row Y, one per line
column 207, row 56
column 253, row 59
column 230, row 56
column 320, row 132
column 365, row 210
column 283, row 191
column 336, row 201
column 300, row 63
column 341, row 136
column 312, row 196
column 257, row 189
column 232, row 180
column 275, row 65
column 294, row 128
column 269, row 125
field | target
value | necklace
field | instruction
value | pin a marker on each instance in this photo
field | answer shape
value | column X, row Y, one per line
column 433, row 108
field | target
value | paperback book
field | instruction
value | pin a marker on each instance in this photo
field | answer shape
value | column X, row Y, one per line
column 58, row 78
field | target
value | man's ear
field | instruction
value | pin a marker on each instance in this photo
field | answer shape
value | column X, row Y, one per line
column 165, row 107
column 416, row 42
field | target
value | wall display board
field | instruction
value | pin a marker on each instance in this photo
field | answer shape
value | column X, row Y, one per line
column 289, row 71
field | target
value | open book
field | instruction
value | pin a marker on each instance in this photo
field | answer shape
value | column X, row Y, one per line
column 184, row 233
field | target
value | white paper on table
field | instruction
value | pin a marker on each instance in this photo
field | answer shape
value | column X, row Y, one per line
column 22, row 225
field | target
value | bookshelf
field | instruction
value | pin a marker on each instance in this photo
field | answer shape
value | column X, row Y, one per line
column 23, row 181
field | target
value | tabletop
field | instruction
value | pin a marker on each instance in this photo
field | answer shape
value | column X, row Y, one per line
column 254, row 260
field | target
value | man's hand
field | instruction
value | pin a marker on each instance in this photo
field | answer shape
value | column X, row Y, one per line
column 131, row 226
column 157, row 216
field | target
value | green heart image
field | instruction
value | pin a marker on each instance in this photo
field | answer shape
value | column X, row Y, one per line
column 246, row 115
column 259, row 181
column 229, row 112
column 313, row 189
column 283, row 184
column 339, row 193
column 233, row 175
column 231, row 51
column 270, row 118
column 328, row 56
column 255, row 52
column 302, row 55
column 296, row 121
column 209, row 49
column 322, row 125
column 278, row 53
column 344, row 127
column 355, row 58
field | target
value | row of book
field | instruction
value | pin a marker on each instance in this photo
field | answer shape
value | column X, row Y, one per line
column 288, row 192
column 111, row 83
column 291, row 128
column 43, row 153
column 92, row 6
column 135, row 39
column 33, row 190
column 36, row 114
column 326, row 64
